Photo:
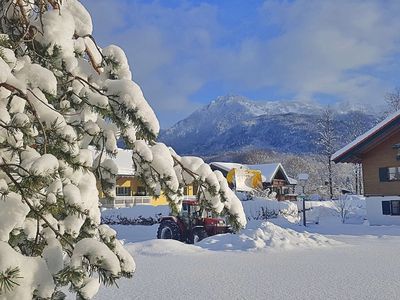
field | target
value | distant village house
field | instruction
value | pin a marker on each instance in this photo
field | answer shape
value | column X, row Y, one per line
column 378, row 150
column 129, row 189
column 272, row 176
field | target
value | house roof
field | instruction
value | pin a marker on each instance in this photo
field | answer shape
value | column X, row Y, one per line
column 123, row 160
column 292, row 181
column 228, row 166
column 368, row 140
column 268, row 171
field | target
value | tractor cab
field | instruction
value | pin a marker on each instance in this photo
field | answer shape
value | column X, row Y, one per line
column 191, row 208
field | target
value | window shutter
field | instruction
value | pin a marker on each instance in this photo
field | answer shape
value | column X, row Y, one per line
column 386, row 207
column 383, row 174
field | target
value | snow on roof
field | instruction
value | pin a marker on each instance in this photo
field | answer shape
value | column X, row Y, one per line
column 292, row 180
column 269, row 170
column 228, row 166
column 366, row 135
column 123, row 160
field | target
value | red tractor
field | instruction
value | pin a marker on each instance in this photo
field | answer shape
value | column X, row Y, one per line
column 190, row 225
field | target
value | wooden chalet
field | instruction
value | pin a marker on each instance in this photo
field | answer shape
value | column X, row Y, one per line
column 378, row 151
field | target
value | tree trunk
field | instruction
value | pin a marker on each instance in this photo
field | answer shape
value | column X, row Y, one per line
column 360, row 180
column 330, row 178
column 357, row 179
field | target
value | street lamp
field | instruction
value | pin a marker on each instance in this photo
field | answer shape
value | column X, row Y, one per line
column 302, row 179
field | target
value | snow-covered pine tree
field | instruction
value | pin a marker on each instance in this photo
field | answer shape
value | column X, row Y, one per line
column 64, row 102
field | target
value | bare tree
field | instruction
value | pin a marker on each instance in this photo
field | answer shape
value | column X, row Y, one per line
column 343, row 207
column 326, row 141
column 392, row 101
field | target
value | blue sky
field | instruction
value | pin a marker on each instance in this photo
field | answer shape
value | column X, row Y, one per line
column 186, row 53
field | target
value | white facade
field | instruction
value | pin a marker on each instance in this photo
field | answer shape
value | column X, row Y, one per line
column 375, row 212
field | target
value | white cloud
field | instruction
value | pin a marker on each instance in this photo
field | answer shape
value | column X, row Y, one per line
column 166, row 47
column 343, row 49
column 327, row 46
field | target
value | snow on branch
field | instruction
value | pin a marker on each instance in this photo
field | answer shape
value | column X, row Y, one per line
column 61, row 96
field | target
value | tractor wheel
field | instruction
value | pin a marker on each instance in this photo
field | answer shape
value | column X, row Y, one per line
column 198, row 235
column 169, row 230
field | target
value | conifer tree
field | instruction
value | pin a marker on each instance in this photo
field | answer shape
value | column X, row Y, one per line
column 64, row 102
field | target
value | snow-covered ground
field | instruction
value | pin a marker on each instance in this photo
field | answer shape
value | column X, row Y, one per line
column 274, row 260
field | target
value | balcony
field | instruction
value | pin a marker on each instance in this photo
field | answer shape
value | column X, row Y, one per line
column 130, row 201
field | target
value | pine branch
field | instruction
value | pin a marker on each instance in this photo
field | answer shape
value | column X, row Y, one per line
column 8, row 279
column 32, row 208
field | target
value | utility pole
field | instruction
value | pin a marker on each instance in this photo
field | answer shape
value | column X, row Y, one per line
column 304, row 212
column 303, row 178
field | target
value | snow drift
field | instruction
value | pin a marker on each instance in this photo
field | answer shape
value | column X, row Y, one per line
column 266, row 236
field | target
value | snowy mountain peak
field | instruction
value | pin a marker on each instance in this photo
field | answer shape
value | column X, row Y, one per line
column 235, row 103
column 234, row 123
column 229, row 99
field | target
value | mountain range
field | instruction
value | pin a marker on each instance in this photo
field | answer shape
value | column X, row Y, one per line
column 235, row 123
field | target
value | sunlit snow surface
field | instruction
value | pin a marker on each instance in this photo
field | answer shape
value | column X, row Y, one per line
column 274, row 260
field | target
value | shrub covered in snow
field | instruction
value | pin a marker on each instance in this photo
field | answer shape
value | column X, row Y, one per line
column 60, row 96
column 263, row 209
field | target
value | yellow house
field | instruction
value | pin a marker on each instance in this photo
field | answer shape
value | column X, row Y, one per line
column 130, row 190
column 245, row 178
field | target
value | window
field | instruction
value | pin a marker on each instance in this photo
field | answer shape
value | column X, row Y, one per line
column 391, row 208
column 123, row 191
column 394, row 173
column 395, row 207
column 389, row 174
column 141, row 191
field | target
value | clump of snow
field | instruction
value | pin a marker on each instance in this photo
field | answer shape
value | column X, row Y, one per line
column 97, row 253
column 53, row 255
column 118, row 56
column 46, row 111
column 142, row 150
column 35, row 277
column 163, row 164
column 45, row 165
column 58, row 30
column 5, row 71
column 267, row 236
column 12, row 214
column 90, row 287
column 130, row 95
column 82, row 19
column 38, row 77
